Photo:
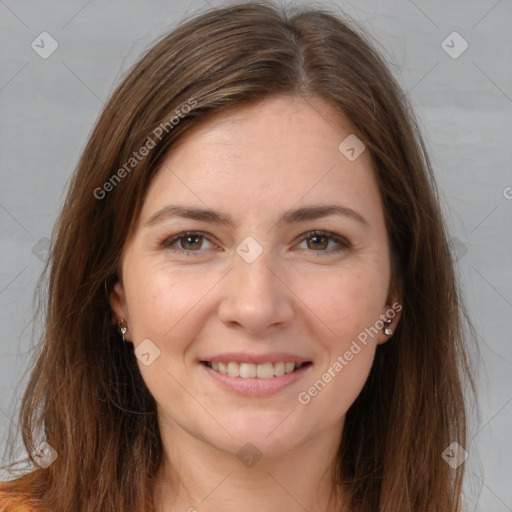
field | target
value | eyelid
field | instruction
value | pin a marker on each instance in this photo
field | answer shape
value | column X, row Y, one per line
column 342, row 242
column 168, row 241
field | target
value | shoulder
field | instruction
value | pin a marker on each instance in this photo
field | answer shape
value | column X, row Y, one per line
column 11, row 501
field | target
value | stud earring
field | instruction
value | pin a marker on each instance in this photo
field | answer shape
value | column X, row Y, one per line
column 122, row 328
column 387, row 330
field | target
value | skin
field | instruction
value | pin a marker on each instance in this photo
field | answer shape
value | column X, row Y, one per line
column 298, row 296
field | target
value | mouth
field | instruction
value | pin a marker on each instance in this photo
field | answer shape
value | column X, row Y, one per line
column 266, row 370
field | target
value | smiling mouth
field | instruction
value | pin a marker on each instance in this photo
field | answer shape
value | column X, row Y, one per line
column 258, row 371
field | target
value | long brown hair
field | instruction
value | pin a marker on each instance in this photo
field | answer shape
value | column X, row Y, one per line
column 86, row 397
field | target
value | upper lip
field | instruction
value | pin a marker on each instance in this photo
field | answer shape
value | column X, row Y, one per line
column 243, row 357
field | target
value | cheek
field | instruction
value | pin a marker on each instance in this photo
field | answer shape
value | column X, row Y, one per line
column 159, row 299
column 332, row 391
column 346, row 308
column 345, row 303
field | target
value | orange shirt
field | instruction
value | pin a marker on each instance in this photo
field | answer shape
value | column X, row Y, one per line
column 12, row 503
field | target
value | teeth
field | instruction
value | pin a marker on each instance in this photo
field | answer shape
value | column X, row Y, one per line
column 233, row 369
column 250, row 370
column 247, row 370
column 279, row 369
column 265, row 371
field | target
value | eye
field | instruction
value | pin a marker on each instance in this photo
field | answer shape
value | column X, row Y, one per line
column 319, row 241
column 189, row 242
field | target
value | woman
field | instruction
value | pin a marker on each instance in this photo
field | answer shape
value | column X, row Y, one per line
column 251, row 304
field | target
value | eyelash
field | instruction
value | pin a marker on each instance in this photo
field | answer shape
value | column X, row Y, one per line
column 169, row 241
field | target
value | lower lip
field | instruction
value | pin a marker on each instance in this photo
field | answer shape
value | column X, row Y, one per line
column 256, row 387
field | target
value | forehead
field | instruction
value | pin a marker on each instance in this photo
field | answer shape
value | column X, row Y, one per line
column 269, row 155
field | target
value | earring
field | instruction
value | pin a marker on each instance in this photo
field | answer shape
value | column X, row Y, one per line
column 122, row 328
column 387, row 330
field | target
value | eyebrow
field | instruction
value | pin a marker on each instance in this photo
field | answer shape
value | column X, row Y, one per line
column 292, row 216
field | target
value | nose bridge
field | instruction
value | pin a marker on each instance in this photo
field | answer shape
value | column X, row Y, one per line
column 254, row 275
column 255, row 298
column 252, row 272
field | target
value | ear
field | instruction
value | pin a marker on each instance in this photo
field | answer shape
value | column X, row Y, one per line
column 392, row 311
column 119, row 305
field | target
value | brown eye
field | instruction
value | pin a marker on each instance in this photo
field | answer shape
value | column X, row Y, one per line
column 319, row 241
column 190, row 242
column 187, row 243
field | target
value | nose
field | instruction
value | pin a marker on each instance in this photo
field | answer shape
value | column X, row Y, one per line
column 256, row 297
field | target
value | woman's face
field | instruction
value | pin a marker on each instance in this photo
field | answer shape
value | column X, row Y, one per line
column 263, row 273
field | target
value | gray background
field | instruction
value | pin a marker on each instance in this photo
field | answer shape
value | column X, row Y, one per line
column 48, row 107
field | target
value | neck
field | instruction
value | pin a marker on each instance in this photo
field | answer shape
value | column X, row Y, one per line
column 204, row 478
